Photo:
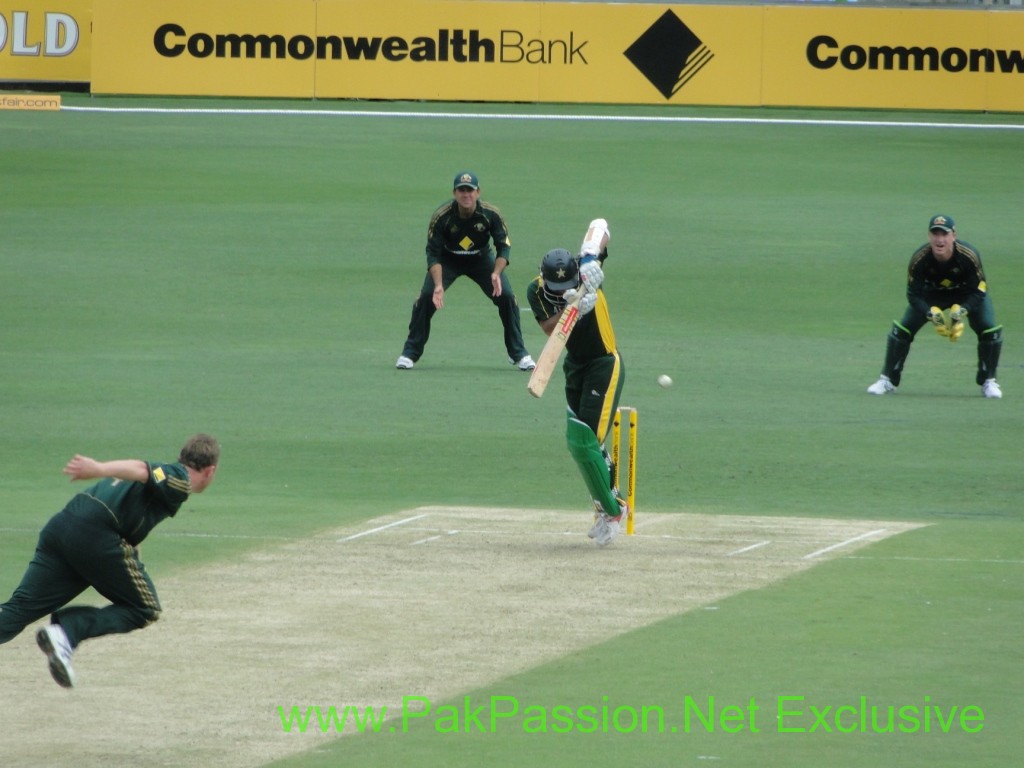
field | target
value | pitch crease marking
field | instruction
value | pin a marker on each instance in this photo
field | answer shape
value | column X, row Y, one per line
column 844, row 543
column 382, row 528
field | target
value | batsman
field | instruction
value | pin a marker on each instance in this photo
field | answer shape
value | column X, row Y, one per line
column 594, row 374
column 946, row 286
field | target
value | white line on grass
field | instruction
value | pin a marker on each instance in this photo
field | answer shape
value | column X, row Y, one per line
column 424, row 541
column 383, row 527
column 844, row 543
column 552, row 117
column 748, row 549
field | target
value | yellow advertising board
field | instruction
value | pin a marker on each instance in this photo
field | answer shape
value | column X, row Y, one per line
column 46, row 40
column 204, row 47
column 547, row 52
column 903, row 59
column 473, row 50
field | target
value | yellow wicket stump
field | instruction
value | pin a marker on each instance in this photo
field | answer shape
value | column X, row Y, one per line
column 627, row 413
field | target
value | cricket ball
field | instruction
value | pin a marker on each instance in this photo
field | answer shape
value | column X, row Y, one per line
column 664, row 381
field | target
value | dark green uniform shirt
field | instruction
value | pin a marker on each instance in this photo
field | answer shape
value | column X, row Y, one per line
column 961, row 280
column 134, row 509
column 451, row 237
column 593, row 336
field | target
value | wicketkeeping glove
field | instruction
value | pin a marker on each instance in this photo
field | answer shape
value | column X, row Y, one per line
column 938, row 319
column 957, row 314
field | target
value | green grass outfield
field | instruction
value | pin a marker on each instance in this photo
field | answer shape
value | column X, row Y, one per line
column 252, row 275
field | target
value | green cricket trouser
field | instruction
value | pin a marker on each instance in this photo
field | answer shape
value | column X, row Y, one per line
column 72, row 555
column 479, row 271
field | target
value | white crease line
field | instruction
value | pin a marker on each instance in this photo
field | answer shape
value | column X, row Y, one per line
column 383, row 527
column 748, row 549
column 844, row 543
column 455, row 532
column 424, row 541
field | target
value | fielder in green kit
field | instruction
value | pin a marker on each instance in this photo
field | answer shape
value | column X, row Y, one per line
column 594, row 373
column 93, row 542
column 946, row 285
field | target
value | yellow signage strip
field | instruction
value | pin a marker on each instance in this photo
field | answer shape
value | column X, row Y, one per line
column 546, row 52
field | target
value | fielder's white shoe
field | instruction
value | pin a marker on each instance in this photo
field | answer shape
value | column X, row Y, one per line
column 882, row 387
column 404, row 363
column 53, row 641
column 524, row 363
column 991, row 389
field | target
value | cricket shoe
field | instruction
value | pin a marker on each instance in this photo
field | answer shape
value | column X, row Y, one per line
column 524, row 363
column 882, row 387
column 404, row 363
column 606, row 528
column 53, row 641
column 991, row 389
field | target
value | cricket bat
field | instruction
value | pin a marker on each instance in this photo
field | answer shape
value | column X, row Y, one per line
column 596, row 238
column 554, row 347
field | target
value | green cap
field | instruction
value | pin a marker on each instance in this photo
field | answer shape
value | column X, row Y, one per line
column 466, row 179
column 945, row 223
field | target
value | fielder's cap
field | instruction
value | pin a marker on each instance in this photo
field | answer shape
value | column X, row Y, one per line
column 466, row 179
column 945, row 223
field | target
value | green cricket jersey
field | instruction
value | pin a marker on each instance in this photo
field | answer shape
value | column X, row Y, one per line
column 593, row 336
column 134, row 509
column 961, row 280
column 452, row 237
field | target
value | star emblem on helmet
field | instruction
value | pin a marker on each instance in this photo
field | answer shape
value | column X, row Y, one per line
column 560, row 274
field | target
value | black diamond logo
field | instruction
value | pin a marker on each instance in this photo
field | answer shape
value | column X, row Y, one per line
column 669, row 54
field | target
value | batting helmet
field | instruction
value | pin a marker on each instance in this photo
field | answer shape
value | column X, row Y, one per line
column 559, row 270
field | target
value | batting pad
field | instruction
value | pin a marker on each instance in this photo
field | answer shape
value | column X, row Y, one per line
column 586, row 451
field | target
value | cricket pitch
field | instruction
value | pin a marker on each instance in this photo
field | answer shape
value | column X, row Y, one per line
column 428, row 602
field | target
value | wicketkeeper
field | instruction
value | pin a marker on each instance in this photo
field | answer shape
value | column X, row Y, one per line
column 946, row 285
column 594, row 374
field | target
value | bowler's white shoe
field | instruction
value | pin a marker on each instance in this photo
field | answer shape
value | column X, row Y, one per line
column 404, row 363
column 991, row 389
column 53, row 641
column 524, row 363
column 882, row 387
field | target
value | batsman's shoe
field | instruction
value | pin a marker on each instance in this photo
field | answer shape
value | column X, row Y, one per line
column 404, row 363
column 53, row 641
column 606, row 528
column 991, row 389
column 524, row 363
column 882, row 387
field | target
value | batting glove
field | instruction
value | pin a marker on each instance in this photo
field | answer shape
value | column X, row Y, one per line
column 592, row 276
column 588, row 301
